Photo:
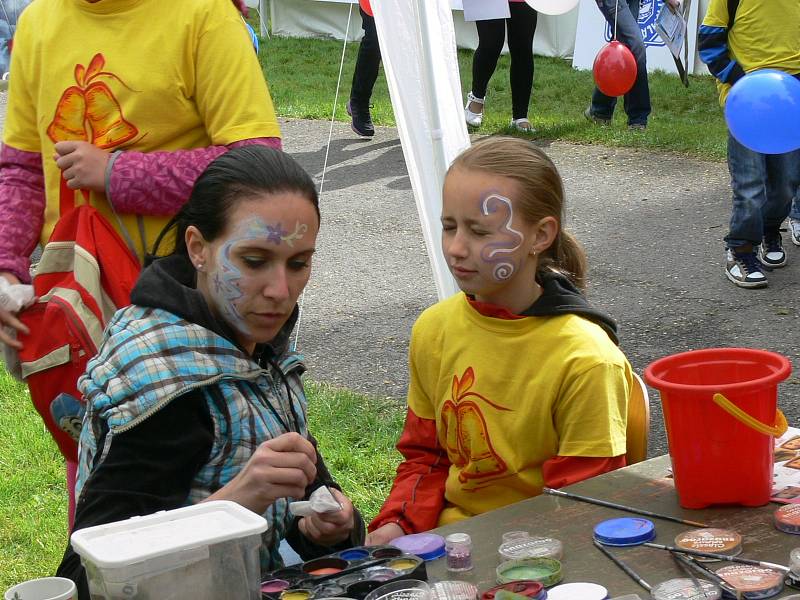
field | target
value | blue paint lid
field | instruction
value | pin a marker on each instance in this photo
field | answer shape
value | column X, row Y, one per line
column 625, row 531
column 425, row 545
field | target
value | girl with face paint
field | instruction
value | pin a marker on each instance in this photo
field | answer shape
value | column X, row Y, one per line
column 517, row 382
column 196, row 394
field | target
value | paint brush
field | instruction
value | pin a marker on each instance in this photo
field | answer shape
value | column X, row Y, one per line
column 628, row 571
column 736, row 559
column 630, row 509
column 691, row 565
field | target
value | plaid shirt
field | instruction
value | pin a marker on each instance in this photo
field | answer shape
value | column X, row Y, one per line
column 150, row 357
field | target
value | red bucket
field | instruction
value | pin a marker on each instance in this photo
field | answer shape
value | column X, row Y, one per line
column 720, row 411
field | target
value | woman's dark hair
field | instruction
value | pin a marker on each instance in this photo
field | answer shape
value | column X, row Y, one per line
column 240, row 174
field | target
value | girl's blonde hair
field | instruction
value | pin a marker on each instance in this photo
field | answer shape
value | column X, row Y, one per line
column 541, row 194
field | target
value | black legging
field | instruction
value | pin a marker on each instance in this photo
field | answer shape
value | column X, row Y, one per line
column 491, row 35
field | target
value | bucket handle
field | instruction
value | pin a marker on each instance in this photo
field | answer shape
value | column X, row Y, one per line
column 777, row 430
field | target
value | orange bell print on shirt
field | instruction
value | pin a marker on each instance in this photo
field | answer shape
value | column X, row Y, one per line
column 467, row 438
column 89, row 111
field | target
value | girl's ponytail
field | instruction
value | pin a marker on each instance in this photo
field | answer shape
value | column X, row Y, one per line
column 567, row 257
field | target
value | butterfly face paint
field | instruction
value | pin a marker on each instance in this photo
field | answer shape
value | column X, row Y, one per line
column 506, row 239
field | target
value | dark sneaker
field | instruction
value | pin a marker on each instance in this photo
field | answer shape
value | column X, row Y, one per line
column 794, row 230
column 637, row 126
column 362, row 120
column 594, row 118
column 744, row 269
column 771, row 252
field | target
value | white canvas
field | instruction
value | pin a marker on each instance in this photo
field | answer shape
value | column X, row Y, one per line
column 484, row 10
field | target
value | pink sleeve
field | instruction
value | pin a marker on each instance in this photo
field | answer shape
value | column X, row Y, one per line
column 158, row 183
column 22, row 203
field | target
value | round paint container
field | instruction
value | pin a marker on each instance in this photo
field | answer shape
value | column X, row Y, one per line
column 295, row 594
column 425, row 545
column 274, row 586
column 509, row 536
column 719, row 541
column 350, row 578
column 329, row 590
column 528, row 588
column 624, row 531
column 409, row 589
column 531, row 547
column 686, row 589
column 403, row 565
column 324, row 566
column 354, row 554
column 379, row 574
column 787, row 518
column 578, row 591
column 546, row 571
column 385, row 552
column 754, row 582
column 454, row 590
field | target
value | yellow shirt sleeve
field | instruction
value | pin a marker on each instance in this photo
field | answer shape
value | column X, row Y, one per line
column 717, row 14
column 591, row 414
column 20, row 130
column 230, row 87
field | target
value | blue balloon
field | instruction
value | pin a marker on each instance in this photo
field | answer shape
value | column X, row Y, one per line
column 763, row 111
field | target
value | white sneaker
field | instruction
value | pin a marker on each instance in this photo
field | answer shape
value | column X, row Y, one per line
column 473, row 119
column 522, row 125
column 794, row 230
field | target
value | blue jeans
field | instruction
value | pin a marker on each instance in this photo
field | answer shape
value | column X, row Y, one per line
column 637, row 101
column 764, row 186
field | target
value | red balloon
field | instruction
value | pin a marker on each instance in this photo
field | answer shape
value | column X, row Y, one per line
column 364, row 4
column 614, row 69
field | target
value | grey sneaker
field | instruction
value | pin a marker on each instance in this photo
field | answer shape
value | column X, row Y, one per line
column 744, row 269
column 794, row 230
column 771, row 252
column 594, row 118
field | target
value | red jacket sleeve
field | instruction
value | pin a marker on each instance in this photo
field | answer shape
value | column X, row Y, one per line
column 22, row 203
column 561, row 471
column 159, row 183
column 417, row 496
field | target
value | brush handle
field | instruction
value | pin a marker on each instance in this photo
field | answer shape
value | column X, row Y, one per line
column 628, row 571
column 736, row 559
column 692, row 563
column 630, row 509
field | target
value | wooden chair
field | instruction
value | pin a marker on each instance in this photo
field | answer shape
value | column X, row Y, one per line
column 638, row 422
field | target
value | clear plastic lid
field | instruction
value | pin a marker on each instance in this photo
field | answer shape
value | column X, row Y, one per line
column 686, row 589
column 531, row 547
column 454, row 590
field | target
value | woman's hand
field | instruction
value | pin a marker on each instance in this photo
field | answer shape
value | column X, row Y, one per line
column 83, row 165
column 328, row 529
column 9, row 319
column 384, row 534
column 281, row 467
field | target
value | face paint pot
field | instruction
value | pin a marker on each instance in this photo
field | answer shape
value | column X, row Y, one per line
column 350, row 578
column 354, row 554
column 531, row 547
column 718, row 541
column 527, row 588
column 546, row 571
column 454, row 590
column 274, row 586
column 577, row 591
column 329, row 590
column 298, row 594
column 685, row 589
column 404, row 564
column 458, row 550
column 324, row 566
column 787, row 518
column 385, row 552
column 409, row 589
column 509, row 536
column 379, row 574
column 425, row 545
column 754, row 582
column 624, row 531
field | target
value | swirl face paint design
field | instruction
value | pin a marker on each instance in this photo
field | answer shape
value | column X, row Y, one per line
column 493, row 252
column 228, row 283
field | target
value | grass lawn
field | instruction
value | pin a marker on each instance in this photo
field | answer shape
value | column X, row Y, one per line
column 302, row 77
column 356, row 435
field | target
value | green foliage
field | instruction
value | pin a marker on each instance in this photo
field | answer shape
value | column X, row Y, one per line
column 356, row 435
column 302, row 75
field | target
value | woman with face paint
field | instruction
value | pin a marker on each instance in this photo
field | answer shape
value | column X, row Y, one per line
column 516, row 383
column 195, row 394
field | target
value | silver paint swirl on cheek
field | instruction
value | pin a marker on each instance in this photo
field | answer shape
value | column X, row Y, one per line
column 504, row 267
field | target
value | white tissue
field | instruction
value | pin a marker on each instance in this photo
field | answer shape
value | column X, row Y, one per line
column 13, row 298
column 320, row 501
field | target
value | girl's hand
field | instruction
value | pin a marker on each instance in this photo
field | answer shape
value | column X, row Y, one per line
column 9, row 319
column 328, row 529
column 281, row 467
column 384, row 534
column 83, row 165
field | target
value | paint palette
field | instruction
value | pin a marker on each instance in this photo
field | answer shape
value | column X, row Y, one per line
column 351, row 573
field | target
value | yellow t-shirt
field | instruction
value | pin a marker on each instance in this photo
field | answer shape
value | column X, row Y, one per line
column 507, row 395
column 765, row 35
column 139, row 75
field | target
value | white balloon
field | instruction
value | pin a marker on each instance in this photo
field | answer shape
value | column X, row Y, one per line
column 552, row 7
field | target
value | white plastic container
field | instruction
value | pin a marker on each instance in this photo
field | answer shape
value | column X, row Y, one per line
column 203, row 552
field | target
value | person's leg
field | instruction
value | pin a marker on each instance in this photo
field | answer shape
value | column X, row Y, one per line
column 364, row 77
column 636, row 101
column 491, row 35
column 748, row 183
column 602, row 107
column 521, row 27
column 783, row 178
column 794, row 218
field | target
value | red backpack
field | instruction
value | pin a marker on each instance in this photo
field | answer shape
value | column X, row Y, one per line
column 85, row 274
